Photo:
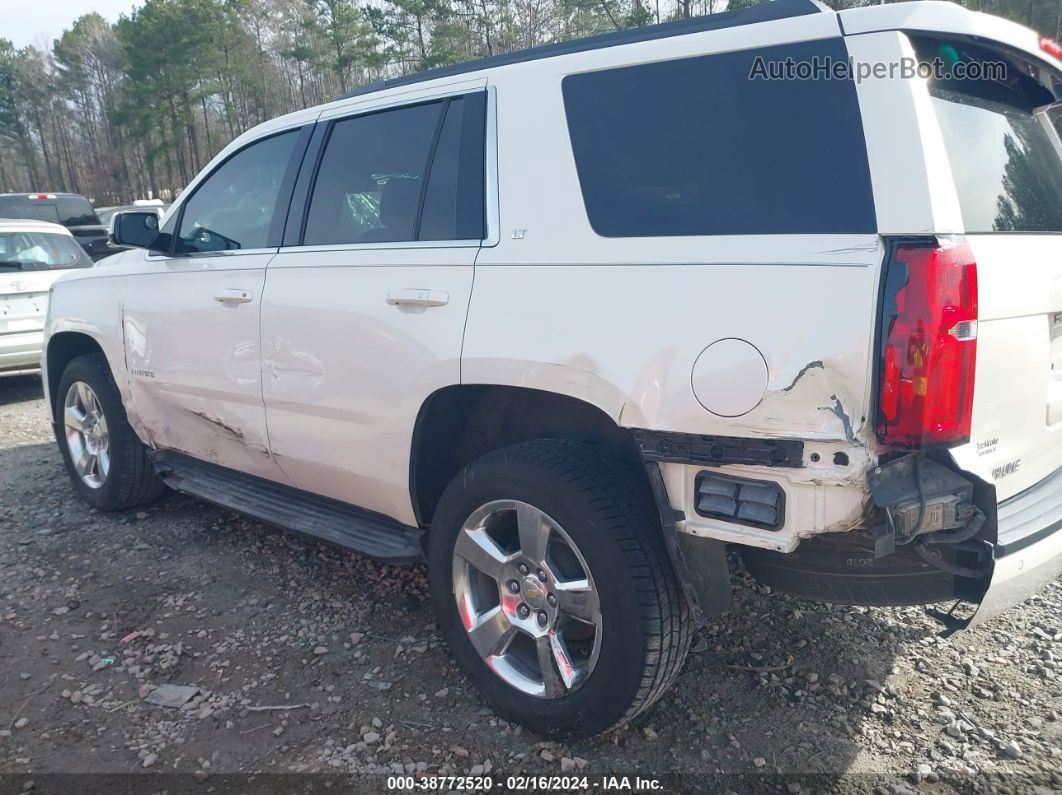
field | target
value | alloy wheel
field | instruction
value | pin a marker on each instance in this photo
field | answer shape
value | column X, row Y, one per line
column 527, row 599
column 87, row 438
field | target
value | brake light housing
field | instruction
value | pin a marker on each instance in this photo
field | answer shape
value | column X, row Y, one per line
column 1051, row 47
column 928, row 334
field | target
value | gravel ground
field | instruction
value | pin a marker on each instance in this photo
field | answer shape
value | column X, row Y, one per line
column 97, row 610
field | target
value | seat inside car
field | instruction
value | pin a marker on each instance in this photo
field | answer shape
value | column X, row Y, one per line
column 398, row 206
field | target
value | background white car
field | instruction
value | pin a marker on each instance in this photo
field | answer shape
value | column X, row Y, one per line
column 33, row 254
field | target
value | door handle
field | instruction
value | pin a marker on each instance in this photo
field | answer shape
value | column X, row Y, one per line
column 418, row 298
column 233, row 296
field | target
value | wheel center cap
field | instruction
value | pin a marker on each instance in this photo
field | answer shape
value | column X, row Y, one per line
column 534, row 592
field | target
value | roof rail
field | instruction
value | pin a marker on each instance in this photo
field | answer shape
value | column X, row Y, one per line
column 764, row 12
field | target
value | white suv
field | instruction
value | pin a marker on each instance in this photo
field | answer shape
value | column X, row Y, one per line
column 567, row 322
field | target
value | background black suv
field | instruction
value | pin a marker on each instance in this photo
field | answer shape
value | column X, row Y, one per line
column 69, row 209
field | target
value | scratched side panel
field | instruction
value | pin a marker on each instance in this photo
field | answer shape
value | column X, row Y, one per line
column 626, row 338
column 194, row 363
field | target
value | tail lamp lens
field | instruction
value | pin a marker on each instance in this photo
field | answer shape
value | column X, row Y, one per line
column 1051, row 47
column 929, row 346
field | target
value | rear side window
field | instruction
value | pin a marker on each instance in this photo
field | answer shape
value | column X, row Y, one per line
column 413, row 173
column 1007, row 170
column 76, row 211
column 233, row 207
column 697, row 146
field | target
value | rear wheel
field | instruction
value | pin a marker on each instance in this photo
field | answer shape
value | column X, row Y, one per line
column 107, row 463
column 553, row 588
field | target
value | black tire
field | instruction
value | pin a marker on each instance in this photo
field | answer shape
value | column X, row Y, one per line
column 131, row 480
column 605, row 506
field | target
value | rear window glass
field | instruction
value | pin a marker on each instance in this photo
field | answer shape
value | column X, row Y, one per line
column 39, row 251
column 65, row 210
column 1006, row 167
column 29, row 209
column 698, row 146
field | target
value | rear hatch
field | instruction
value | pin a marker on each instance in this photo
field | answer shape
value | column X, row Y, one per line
column 1002, row 139
column 30, row 262
column 24, row 300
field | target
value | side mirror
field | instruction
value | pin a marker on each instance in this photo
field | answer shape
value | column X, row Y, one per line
column 134, row 228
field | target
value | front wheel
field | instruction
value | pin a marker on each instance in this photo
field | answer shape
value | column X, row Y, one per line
column 553, row 588
column 107, row 463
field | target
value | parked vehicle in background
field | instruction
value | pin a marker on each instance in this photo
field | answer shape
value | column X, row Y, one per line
column 33, row 254
column 818, row 319
column 72, row 210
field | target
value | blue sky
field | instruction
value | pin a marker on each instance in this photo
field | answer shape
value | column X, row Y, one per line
column 30, row 22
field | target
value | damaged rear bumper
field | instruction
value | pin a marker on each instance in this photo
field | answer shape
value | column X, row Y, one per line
column 1027, row 554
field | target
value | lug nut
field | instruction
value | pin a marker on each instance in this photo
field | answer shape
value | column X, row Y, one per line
column 542, row 620
column 522, row 568
column 541, row 574
column 514, row 586
column 552, row 600
column 523, row 611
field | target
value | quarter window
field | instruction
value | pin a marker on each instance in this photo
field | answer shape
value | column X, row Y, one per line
column 697, row 146
column 234, row 207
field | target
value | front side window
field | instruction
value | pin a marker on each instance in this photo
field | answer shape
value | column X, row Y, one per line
column 701, row 146
column 234, row 207
column 413, row 173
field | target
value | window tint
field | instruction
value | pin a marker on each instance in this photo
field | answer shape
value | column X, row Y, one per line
column 368, row 183
column 697, row 147
column 438, row 219
column 29, row 209
column 414, row 173
column 76, row 211
column 233, row 208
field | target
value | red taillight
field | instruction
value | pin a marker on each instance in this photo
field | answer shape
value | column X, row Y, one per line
column 1051, row 47
column 42, row 195
column 929, row 345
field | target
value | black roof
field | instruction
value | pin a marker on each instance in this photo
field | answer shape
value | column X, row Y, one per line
column 764, row 12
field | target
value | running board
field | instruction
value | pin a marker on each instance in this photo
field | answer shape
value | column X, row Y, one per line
column 371, row 534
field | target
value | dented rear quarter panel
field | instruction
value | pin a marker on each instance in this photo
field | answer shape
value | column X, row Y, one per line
column 620, row 323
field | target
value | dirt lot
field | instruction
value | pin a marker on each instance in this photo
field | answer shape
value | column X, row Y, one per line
column 96, row 609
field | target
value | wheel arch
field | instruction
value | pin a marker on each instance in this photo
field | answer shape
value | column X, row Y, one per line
column 459, row 423
column 63, row 347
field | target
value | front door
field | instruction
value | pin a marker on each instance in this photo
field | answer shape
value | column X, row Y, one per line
column 363, row 319
column 191, row 318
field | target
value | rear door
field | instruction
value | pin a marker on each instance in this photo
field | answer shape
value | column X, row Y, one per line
column 1002, row 144
column 365, row 308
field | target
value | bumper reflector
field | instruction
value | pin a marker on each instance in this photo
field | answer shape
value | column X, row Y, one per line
column 759, row 503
